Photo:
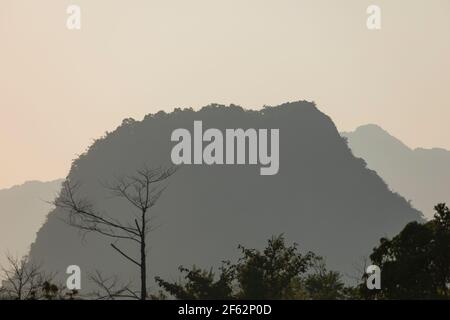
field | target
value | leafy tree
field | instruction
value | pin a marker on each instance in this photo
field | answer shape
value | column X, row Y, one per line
column 441, row 249
column 275, row 273
column 415, row 264
column 201, row 285
column 271, row 274
column 323, row 284
column 49, row 290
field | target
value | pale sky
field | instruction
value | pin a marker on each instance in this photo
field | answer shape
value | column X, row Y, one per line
column 61, row 89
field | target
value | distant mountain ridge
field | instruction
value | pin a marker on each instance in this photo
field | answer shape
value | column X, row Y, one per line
column 323, row 197
column 420, row 175
column 23, row 210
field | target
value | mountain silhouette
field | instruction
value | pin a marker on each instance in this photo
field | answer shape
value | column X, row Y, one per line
column 420, row 175
column 323, row 197
column 23, row 210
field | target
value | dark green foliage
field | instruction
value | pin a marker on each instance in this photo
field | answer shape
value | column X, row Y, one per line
column 323, row 284
column 277, row 272
column 415, row 264
column 201, row 285
column 49, row 290
column 271, row 274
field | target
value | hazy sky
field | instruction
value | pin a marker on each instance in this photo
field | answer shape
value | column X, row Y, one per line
column 61, row 89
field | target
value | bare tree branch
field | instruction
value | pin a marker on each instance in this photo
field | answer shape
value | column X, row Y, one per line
column 141, row 191
column 110, row 288
column 125, row 255
column 23, row 278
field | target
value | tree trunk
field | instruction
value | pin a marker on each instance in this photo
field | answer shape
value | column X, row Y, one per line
column 143, row 261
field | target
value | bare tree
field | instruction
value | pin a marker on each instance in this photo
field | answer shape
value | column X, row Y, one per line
column 23, row 279
column 109, row 288
column 141, row 191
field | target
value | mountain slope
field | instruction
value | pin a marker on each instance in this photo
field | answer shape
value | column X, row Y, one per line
column 22, row 212
column 323, row 197
column 420, row 175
